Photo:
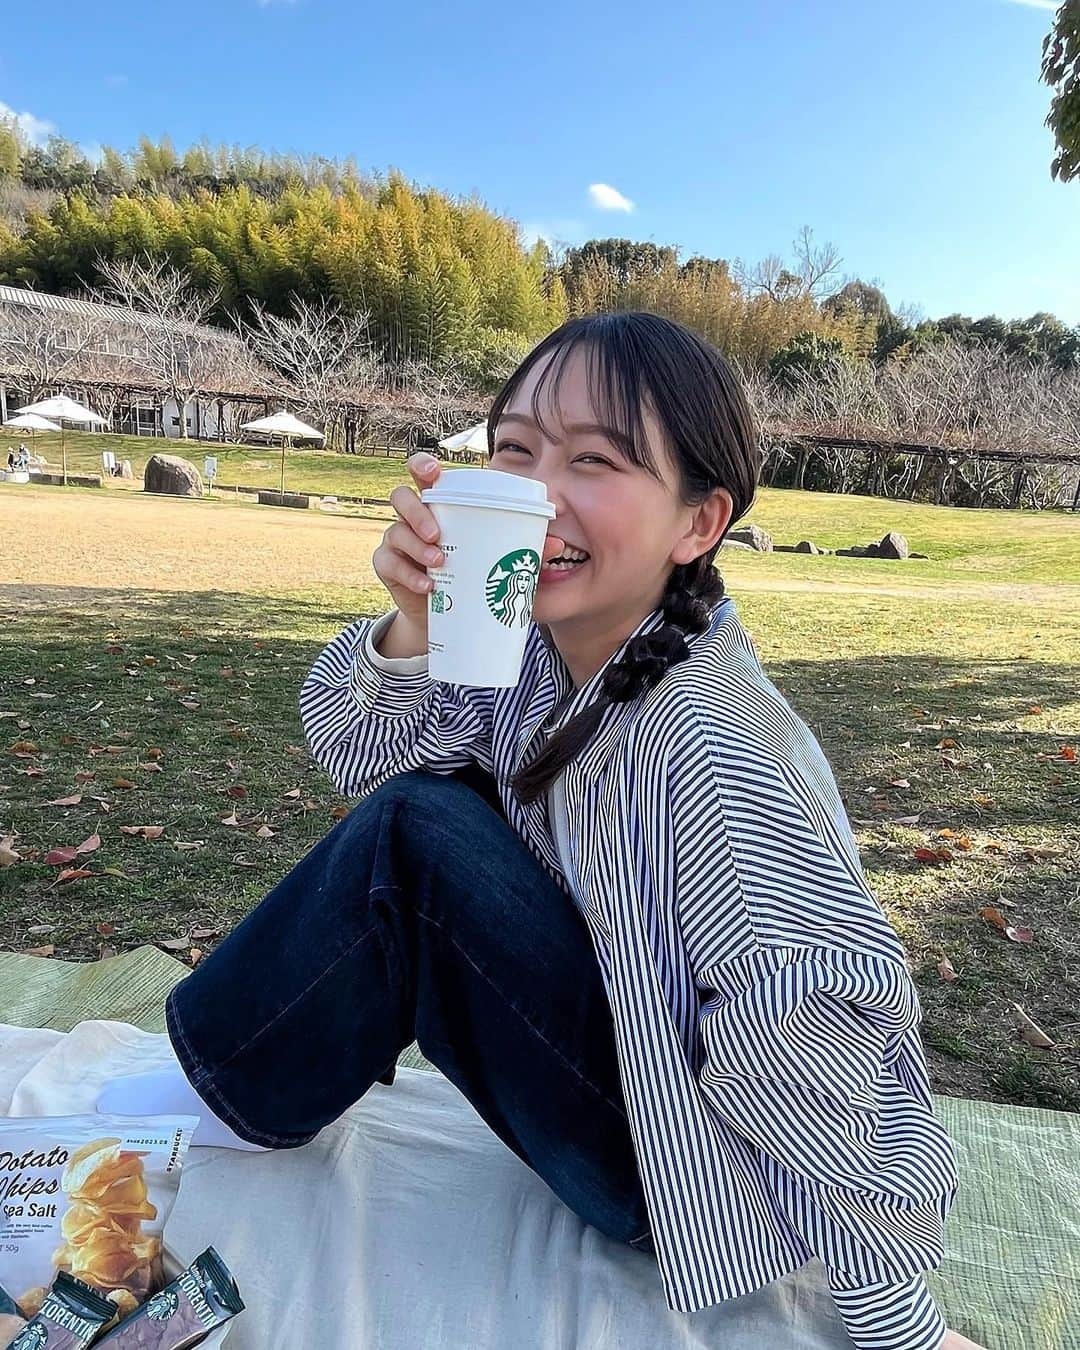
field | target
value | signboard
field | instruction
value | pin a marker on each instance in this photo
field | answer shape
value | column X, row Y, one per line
column 210, row 466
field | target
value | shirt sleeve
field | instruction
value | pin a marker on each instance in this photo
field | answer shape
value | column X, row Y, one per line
column 368, row 717
column 812, row 1053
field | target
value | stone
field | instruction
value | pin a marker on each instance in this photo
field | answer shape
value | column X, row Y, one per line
column 807, row 546
column 923, row 557
column 173, row 476
column 734, row 543
column 299, row 500
column 893, row 545
column 754, row 536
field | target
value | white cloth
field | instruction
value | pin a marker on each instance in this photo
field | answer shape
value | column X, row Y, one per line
column 407, row 1225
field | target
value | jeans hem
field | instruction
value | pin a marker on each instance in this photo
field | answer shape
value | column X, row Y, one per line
column 202, row 1081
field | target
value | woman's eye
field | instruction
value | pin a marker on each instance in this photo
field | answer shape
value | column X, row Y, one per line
column 510, row 445
column 581, row 458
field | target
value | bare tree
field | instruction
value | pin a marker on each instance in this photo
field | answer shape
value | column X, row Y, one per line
column 814, row 271
column 177, row 352
column 43, row 349
column 318, row 356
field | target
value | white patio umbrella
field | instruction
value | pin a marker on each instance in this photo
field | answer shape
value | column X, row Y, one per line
column 31, row 422
column 65, row 409
column 288, row 427
column 473, row 439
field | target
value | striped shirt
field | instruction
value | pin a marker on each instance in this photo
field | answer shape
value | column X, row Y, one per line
column 765, row 1020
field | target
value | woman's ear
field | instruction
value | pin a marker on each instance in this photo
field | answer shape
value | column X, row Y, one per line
column 707, row 525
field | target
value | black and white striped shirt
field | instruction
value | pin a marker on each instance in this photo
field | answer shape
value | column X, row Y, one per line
column 766, row 1022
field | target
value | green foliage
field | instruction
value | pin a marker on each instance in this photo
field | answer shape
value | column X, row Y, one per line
column 1061, row 71
column 806, row 355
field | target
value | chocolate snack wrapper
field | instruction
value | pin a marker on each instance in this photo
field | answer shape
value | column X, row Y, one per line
column 71, row 1315
column 184, row 1313
column 88, row 1196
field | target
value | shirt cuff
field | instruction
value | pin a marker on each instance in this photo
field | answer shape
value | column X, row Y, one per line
column 890, row 1316
column 386, row 686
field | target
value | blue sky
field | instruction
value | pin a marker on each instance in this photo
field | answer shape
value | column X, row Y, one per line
column 910, row 135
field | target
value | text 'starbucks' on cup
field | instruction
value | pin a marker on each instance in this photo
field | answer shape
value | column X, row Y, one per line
column 492, row 528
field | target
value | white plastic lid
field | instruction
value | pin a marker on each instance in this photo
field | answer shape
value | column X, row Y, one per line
column 490, row 487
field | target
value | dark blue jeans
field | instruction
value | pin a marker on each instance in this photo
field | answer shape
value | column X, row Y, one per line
column 421, row 916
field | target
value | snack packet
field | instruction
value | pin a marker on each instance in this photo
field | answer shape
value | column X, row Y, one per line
column 184, row 1312
column 87, row 1195
column 71, row 1316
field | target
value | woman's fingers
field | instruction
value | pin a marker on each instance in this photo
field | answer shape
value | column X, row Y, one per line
column 403, row 539
column 415, row 514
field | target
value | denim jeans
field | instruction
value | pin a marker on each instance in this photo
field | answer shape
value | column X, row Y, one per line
column 421, row 916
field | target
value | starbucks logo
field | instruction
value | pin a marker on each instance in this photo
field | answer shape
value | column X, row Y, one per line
column 163, row 1306
column 511, row 585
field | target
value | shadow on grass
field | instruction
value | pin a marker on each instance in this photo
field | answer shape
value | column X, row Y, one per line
column 211, row 678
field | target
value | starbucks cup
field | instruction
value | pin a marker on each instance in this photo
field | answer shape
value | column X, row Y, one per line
column 492, row 528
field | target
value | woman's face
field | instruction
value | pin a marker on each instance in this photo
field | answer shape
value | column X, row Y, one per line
column 634, row 527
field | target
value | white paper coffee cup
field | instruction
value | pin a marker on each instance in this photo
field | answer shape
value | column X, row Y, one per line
column 492, row 528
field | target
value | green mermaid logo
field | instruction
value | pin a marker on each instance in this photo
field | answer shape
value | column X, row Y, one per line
column 511, row 585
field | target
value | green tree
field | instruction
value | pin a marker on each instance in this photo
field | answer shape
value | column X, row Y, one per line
column 1061, row 71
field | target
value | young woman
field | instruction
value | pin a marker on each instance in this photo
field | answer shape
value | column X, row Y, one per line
column 619, row 905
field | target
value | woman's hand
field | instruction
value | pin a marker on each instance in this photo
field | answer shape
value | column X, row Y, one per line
column 954, row 1341
column 409, row 546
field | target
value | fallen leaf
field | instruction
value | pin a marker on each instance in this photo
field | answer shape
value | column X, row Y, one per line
column 1019, row 934
column 57, row 856
column 85, row 776
column 238, row 791
column 146, row 831
column 32, row 772
column 230, row 819
column 124, row 783
column 23, row 748
column 995, row 846
column 151, row 766
column 190, row 703
column 89, row 845
column 175, row 944
column 154, row 752
column 947, row 744
column 114, row 872
column 994, row 916
column 899, row 783
column 1030, row 1031
column 115, row 749
column 195, row 956
column 265, row 832
column 1035, row 710
column 41, row 928
column 1068, row 752
column 188, row 846
column 106, row 929
column 202, row 933
column 8, row 855
column 72, row 874
column 38, row 951
column 933, row 855
column 339, row 812
column 291, row 795
column 946, row 970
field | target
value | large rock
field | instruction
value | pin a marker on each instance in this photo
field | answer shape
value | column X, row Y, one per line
column 807, row 546
column 173, row 475
column 753, row 536
column 893, row 545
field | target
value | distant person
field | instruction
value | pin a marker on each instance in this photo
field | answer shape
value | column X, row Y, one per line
column 10, row 459
column 22, row 459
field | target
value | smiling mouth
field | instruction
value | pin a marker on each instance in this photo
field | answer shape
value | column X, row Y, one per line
column 567, row 560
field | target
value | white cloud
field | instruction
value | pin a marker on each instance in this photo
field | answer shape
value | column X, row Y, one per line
column 36, row 130
column 1036, row 4
column 609, row 198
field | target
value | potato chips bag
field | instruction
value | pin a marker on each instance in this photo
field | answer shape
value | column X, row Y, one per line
column 88, row 1195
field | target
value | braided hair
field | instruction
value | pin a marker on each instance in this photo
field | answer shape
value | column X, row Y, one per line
column 637, row 358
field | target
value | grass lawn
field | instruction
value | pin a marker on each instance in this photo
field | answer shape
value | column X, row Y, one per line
column 152, row 650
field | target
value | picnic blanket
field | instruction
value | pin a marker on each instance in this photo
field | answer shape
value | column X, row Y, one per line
column 408, row 1224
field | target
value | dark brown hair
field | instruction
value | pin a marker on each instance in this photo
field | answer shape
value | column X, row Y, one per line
column 638, row 360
